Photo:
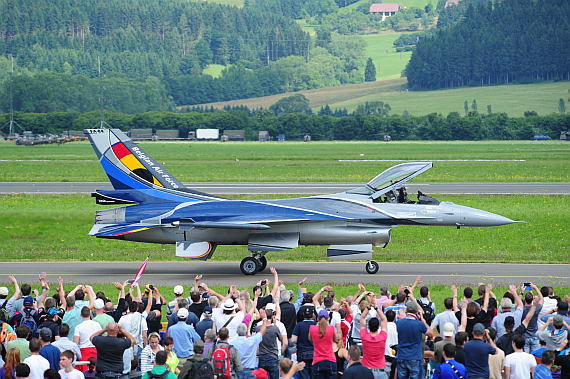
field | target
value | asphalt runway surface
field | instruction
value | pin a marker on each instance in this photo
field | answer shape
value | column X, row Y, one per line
column 303, row 188
column 228, row 273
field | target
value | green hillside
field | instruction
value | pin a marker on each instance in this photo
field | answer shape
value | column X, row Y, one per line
column 389, row 63
column 512, row 99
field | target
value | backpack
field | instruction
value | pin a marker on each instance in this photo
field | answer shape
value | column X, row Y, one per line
column 28, row 319
column 428, row 311
column 6, row 335
column 151, row 375
column 3, row 313
column 221, row 361
column 201, row 369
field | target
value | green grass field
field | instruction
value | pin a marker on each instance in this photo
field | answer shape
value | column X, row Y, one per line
column 389, row 63
column 215, row 70
column 56, row 227
column 295, row 161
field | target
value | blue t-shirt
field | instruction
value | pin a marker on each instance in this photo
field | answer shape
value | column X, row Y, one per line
column 204, row 325
column 445, row 371
column 542, row 372
column 51, row 353
column 477, row 358
column 192, row 319
column 538, row 352
column 301, row 330
column 410, row 333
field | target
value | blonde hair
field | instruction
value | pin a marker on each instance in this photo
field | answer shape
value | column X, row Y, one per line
column 154, row 334
column 339, row 343
column 323, row 323
column 285, row 365
column 363, row 304
column 248, row 305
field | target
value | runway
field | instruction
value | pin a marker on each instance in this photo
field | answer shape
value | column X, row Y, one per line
column 228, row 273
column 302, row 188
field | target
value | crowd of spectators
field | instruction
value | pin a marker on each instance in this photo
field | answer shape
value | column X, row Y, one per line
column 273, row 332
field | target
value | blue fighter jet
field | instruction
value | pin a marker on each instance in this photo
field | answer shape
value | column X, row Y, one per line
column 163, row 211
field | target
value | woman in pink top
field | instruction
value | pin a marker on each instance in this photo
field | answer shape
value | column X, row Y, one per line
column 374, row 342
column 323, row 335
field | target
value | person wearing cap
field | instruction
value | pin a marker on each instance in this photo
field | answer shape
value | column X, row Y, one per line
column 8, row 304
column 449, row 368
column 305, row 348
column 38, row 364
column 448, row 334
column 21, row 341
column 323, row 335
column 374, row 341
column 206, row 323
column 477, row 353
column 230, row 318
column 235, row 360
column 16, row 319
column 184, row 336
column 562, row 311
column 519, row 365
column 192, row 319
column 48, row 351
column 110, row 351
column 186, row 370
column 555, row 336
column 160, row 367
column 506, row 306
column 63, row 343
column 247, row 346
column 49, row 322
column 282, row 344
column 101, row 317
column 505, row 342
column 178, row 293
column 269, row 348
column 410, row 329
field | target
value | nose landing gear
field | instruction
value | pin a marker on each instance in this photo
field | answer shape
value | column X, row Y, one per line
column 372, row 267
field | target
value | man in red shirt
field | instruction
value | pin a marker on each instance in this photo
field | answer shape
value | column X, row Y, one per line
column 374, row 342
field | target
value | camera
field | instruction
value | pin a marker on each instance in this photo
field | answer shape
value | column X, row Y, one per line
column 263, row 282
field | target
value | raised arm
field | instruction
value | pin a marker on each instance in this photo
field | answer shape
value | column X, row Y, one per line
column 91, row 294
column 44, row 295
column 61, row 291
column 530, row 312
column 17, row 292
column 539, row 294
column 275, row 282
column 518, row 301
column 363, row 317
column 196, row 280
column 454, row 293
column 416, row 283
column 149, row 302
column 485, row 306
column 463, row 325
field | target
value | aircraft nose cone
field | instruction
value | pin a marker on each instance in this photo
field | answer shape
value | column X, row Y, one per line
column 476, row 217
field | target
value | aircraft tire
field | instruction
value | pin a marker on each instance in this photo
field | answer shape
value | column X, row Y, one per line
column 372, row 267
column 262, row 264
column 249, row 266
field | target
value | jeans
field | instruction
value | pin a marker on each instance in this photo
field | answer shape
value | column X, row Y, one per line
column 324, row 370
column 244, row 374
column 412, row 368
column 269, row 364
column 291, row 348
column 307, row 357
column 379, row 373
column 531, row 344
column 388, row 368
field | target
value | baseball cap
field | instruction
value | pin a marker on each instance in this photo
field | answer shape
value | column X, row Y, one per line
column 448, row 329
column 282, row 287
column 308, row 311
column 45, row 333
column 509, row 320
column 99, row 303
column 323, row 313
column 207, row 310
column 270, row 307
column 259, row 373
column 52, row 311
column 199, row 343
column 183, row 313
column 411, row 306
column 178, row 290
column 4, row 291
column 479, row 329
column 562, row 308
column 28, row 300
column 557, row 321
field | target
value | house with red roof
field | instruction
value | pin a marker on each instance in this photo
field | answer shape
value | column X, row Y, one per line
column 385, row 10
column 451, row 2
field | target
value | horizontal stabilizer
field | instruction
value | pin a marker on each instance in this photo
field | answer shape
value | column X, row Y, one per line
column 189, row 224
column 361, row 252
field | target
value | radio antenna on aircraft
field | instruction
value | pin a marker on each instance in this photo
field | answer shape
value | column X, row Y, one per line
column 102, row 100
column 12, row 122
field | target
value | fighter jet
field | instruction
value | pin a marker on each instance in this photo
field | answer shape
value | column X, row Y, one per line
column 162, row 210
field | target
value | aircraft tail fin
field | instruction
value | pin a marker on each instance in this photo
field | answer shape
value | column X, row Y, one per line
column 130, row 168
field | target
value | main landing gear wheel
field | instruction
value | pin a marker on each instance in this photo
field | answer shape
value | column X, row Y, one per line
column 371, row 267
column 262, row 264
column 249, row 266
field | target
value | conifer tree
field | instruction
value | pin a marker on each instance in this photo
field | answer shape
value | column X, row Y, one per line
column 370, row 71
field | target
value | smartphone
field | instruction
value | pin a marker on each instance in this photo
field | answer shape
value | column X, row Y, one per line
column 131, row 281
column 263, row 282
column 527, row 287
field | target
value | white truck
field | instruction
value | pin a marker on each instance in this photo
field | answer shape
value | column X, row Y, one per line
column 207, row 134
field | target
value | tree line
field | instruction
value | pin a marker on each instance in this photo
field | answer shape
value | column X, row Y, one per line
column 510, row 41
column 368, row 123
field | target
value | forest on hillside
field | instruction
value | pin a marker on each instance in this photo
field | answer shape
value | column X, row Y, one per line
column 510, row 41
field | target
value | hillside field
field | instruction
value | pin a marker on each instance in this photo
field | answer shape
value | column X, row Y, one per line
column 513, row 99
column 389, row 63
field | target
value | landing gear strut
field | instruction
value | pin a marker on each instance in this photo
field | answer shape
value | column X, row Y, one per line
column 372, row 267
column 256, row 262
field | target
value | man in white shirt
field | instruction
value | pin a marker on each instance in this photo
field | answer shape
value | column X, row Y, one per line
column 67, row 371
column 519, row 365
column 390, row 341
column 138, row 329
column 83, row 333
column 38, row 364
column 230, row 318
